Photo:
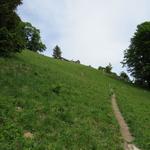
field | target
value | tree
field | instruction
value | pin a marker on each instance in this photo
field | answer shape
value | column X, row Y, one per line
column 137, row 56
column 57, row 52
column 101, row 68
column 11, row 39
column 8, row 16
column 10, row 42
column 124, row 76
column 77, row 62
column 108, row 68
column 32, row 38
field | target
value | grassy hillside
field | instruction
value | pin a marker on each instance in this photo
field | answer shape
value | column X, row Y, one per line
column 65, row 106
column 135, row 106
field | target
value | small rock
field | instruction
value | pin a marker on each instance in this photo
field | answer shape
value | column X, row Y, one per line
column 19, row 109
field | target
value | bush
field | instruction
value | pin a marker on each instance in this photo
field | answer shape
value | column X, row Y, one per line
column 57, row 89
column 101, row 68
column 108, row 68
column 124, row 76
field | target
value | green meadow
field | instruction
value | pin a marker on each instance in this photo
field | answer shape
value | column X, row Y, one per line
column 66, row 106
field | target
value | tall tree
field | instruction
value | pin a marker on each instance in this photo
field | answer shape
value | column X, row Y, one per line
column 32, row 38
column 137, row 56
column 57, row 52
column 10, row 28
column 8, row 16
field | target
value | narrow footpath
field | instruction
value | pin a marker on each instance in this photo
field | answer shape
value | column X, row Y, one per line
column 124, row 129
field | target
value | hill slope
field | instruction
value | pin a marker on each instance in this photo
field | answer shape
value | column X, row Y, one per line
column 63, row 105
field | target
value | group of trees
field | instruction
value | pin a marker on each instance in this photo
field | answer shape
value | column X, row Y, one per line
column 16, row 35
column 10, row 28
column 57, row 54
column 137, row 57
column 108, row 69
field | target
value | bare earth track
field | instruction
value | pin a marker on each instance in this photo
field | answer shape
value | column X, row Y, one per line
column 128, row 139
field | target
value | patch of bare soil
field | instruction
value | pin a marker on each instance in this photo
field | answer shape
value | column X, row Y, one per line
column 124, row 129
column 28, row 135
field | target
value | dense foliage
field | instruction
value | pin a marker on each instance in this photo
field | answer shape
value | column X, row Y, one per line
column 137, row 56
column 11, row 39
column 57, row 52
column 101, row 68
column 32, row 38
column 16, row 35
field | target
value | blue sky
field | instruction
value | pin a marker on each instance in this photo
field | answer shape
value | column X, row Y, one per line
column 94, row 31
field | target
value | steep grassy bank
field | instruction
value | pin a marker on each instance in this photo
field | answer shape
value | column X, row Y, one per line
column 134, row 104
column 135, row 107
column 63, row 105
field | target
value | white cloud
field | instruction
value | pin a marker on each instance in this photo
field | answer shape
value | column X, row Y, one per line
column 94, row 31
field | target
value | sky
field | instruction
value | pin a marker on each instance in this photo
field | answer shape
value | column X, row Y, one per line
column 95, row 32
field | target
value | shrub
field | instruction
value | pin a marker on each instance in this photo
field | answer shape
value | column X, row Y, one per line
column 108, row 68
column 124, row 76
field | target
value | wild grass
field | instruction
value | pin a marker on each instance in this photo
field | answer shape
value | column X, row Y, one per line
column 135, row 107
column 63, row 105
column 66, row 106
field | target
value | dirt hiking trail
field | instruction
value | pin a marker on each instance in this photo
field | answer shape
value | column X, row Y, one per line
column 124, row 129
